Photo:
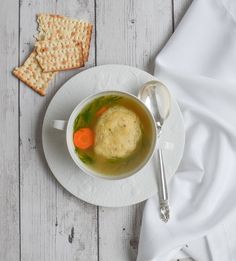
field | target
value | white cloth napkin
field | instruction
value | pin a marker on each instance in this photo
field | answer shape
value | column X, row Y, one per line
column 198, row 65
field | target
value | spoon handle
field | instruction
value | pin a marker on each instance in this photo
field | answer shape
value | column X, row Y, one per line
column 162, row 190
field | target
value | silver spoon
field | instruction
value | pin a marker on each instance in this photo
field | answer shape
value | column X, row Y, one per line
column 157, row 98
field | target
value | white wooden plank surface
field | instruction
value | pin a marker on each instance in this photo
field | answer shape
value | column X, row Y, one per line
column 128, row 32
column 9, row 173
column 54, row 224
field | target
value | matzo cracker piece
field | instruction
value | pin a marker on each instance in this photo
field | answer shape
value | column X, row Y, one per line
column 57, row 27
column 58, row 55
column 31, row 74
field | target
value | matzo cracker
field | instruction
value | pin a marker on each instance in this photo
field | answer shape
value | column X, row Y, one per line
column 58, row 55
column 57, row 27
column 31, row 74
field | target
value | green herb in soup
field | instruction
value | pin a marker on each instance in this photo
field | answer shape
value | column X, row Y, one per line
column 85, row 158
column 113, row 134
column 86, row 116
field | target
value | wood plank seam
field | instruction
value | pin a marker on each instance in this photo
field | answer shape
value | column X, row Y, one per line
column 19, row 136
column 95, row 63
column 173, row 15
column 95, row 32
column 98, row 256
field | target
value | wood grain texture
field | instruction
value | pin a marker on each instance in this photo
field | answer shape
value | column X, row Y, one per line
column 54, row 224
column 132, row 33
column 9, row 172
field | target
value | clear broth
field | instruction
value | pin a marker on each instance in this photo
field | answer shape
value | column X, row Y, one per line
column 115, row 166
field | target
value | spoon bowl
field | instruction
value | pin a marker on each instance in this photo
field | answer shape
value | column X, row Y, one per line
column 157, row 98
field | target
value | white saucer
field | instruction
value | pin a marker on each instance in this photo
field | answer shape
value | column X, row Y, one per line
column 97, row 191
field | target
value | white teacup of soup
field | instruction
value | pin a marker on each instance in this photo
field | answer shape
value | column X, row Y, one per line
column 111, row 134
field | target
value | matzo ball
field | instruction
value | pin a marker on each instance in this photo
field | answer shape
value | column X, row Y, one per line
column 117, row 133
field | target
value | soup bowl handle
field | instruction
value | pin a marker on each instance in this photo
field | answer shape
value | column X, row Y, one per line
column 59, row 124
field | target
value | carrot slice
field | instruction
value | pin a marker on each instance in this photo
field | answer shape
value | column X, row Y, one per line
column 101, row 111
column 84, row 138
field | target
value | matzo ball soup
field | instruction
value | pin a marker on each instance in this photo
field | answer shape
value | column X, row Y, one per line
column 113, row 134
